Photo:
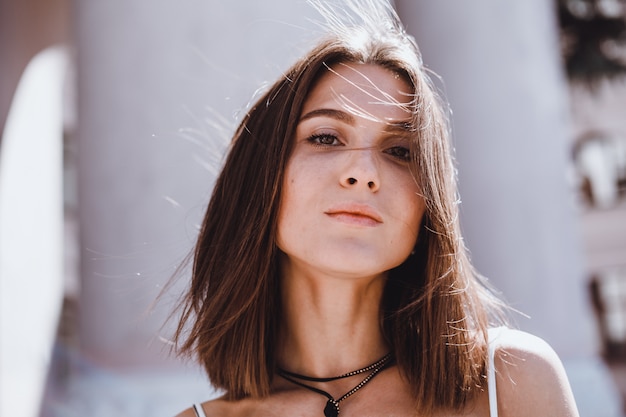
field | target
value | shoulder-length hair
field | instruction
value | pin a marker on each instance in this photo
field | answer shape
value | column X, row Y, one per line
column 434, row 311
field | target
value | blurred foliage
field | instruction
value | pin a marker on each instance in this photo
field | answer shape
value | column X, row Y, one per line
column 593, row 39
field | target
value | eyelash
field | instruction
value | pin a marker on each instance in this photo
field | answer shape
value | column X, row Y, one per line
column 317, row 138
column 400, row 153
column 405, row 155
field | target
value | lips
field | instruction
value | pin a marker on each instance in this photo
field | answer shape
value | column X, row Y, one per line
column 355, row 214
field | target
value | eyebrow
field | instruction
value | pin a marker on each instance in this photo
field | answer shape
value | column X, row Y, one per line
column 404, row 127
column 332, row 113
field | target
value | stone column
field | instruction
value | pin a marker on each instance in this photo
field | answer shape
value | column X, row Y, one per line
column 501, row 72
column 160, row 85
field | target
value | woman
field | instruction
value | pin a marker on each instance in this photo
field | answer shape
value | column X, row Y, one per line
column 330, row 276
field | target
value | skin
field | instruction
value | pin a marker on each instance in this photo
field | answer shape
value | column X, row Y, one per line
column 350, row 212
column 336, row 257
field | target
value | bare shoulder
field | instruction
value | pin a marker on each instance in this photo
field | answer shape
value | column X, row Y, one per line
column 187, row 413
column 530, row 377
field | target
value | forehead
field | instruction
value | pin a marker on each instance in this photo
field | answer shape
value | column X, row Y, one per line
column 361, row 89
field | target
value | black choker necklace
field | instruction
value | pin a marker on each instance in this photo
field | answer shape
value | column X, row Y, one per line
column 332, row 406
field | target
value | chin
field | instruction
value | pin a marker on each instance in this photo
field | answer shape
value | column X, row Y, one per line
column 359, row 266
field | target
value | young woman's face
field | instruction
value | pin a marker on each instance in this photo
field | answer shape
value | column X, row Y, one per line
column 350, row 206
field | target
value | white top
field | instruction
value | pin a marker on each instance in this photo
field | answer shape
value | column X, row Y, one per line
column 199, row 411
column 493, row 336
column 491, row 375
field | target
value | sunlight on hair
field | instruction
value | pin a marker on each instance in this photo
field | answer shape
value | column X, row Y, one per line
column 384, row 99
column 372, row 17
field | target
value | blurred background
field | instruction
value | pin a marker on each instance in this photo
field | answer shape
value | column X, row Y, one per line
column 114, row 118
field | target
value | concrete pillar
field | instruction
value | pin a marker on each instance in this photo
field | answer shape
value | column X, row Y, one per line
column 153, row 78
column 502, row 75
column 161, row 86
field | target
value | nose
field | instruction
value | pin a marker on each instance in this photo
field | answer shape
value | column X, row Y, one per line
column 361, row 170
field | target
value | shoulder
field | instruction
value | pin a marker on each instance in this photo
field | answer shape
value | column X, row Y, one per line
column 213, row 408
column 530, row 377
column 187, row 413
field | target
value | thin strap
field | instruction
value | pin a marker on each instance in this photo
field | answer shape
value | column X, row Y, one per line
column 491, row 370
column 199, row 411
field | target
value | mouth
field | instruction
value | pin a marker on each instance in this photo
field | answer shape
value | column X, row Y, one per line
column 355, row 214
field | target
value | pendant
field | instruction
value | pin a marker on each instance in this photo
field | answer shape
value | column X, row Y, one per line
column 331, row 409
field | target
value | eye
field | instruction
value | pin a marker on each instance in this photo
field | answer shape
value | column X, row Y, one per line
column 324, row 139
column 401, row 153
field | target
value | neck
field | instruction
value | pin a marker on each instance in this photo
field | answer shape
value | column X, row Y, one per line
column 331, row 324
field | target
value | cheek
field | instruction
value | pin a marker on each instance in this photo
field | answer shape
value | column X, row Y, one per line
column 412, row 198
column 287, row 209
column 283, row 218
column 415, row 213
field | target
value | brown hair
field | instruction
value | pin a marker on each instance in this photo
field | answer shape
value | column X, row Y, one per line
column 435, row 310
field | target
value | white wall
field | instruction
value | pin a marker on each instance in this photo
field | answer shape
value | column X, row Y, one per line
column 502, row 75
column 508, row 96
column 153, row 76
